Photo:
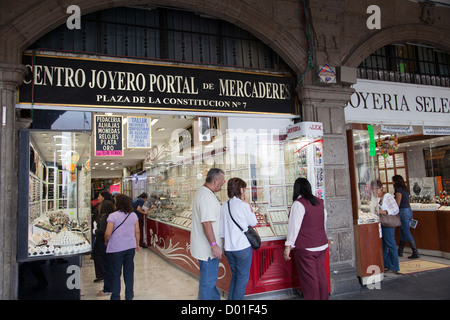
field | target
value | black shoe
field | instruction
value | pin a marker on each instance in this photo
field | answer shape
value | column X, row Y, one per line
column 415, row 254
column 98, row 280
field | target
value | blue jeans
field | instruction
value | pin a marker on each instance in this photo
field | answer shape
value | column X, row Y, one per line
column 390, row 253
column 123, row 259
column 240, row 262
column 406, row 216
column 209, row 271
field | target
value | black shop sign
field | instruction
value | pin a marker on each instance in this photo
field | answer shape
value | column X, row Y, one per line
column 72, row 81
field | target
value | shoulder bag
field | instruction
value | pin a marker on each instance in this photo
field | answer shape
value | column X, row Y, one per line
column 251, row 234
column 106, row 242
column 121, row 223
column 389, row 220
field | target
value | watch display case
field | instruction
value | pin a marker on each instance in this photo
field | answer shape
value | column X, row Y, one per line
column 304, row 158
column 58, row 206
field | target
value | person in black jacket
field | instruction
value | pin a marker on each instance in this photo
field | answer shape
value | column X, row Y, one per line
column 100, row 247
column 98, row 265
column 138, row 206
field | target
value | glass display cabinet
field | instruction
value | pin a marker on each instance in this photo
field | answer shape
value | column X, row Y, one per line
column 362, row 166
column 55, row 217
column 269, row 166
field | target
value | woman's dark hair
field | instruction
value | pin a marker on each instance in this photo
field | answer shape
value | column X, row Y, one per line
column 143, row 195
column 376, row 185
column 105, row 194
column 399, row 182
column 123, row 203
column 107, row 207
column 234, row 187
column 302, row 187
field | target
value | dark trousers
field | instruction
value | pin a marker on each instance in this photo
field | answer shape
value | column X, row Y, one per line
column 142, row 229
column 311, row 272
column 98, row 261
column 123, row 259
column 106, row 260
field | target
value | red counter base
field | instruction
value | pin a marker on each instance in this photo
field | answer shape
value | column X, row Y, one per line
column 269, row 271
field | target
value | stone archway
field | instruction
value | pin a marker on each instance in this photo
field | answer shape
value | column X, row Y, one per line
column 30, row 25
column 416, row 33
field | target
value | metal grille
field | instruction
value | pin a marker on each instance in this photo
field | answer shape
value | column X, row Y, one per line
column 163, row 34
column 408, row 63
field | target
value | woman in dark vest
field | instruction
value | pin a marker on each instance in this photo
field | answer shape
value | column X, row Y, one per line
column 307, row 236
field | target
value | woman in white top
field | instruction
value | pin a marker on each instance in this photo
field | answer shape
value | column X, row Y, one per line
column 237, row 248
column 388, row 205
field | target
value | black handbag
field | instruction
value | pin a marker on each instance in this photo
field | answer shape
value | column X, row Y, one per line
column 251, row 234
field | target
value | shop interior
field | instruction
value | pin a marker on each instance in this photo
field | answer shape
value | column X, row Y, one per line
column 422, row 160
column 424, row 163
column 66, row 173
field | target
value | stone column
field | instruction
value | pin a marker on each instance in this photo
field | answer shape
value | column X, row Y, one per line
column 326, row 104
column 11, row 76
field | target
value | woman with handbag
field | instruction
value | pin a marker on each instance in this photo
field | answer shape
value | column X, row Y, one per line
column 388, row 210
column 235, row 217
column 122, row 241
column 307, row 235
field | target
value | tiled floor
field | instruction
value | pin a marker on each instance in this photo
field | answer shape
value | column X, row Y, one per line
column 154, row 279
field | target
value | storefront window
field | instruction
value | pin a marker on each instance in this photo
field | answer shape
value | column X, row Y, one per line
column 256, row 156
column 432, row 185
column 59, row 209
column 424, row 163
column 264, row 158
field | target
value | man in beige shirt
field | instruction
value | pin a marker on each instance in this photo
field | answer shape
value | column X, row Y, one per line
column 206, row 245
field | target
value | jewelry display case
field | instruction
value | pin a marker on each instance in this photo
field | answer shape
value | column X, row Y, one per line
column 367, row 228
column 269, row 167
column 304, row 157
column 172, row 186
column 56, row 217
